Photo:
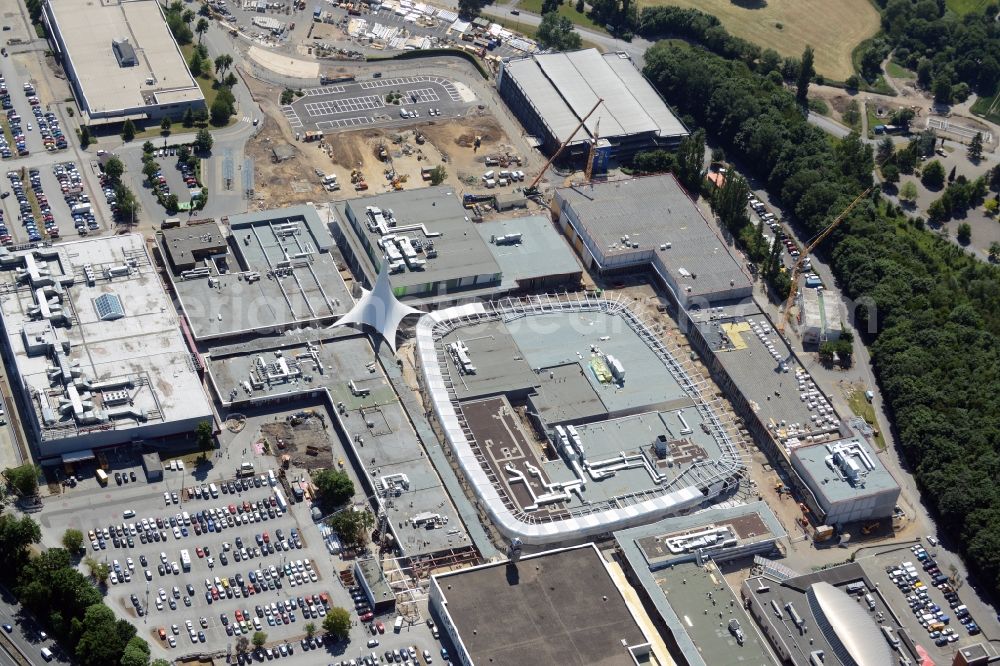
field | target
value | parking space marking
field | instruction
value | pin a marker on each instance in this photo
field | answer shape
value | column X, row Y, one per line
column 423, row 95
column 344, row 122
column 325, row 90
column 291, row 116
column 335, row 106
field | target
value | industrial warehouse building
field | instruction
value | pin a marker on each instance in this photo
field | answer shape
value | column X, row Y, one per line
column 651, row 223
column 121, row 60
column 551, row 93
column 847, row 480
column 94, row 346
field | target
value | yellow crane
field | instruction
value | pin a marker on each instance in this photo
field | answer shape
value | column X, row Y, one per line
column 797, row 267
column 592, row 155
column 532, row 189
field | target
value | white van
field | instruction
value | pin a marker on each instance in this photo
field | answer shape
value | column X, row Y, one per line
column 870, row 600
column 47, row 654
column 270, row 477
column 398, row 626
column 128, row 513
column 212, row 489
column 186, row 517
column 403, row 113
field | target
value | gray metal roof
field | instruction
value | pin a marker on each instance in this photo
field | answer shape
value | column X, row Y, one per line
column 655, row 211
column 850, row 624
column 564, row 87
column 833, row 486
column 541, row 252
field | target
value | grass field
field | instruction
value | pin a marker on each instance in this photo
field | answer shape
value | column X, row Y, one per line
column 898, row 72
column 860, row 406
column 833, row 29
column 988, row 108
column 963, row 7
column 567, row 9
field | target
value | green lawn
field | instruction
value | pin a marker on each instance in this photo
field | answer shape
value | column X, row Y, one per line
column 988, row 108
column 873, row 120
column 963, row 7
column 529, row 31
column 860, row 406
column 897, row 72
column 206, row 80
column 567, row 9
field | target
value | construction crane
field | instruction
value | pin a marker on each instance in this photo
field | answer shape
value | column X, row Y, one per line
column 532, row 189
column 592, row 155
column 797, row 267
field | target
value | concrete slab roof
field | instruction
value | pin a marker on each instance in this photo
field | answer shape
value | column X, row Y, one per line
column 770, row 377
column 542, row 251
column 536, row 611
column 461, row 252
column 658, row 215
column 88, row 30
column 564, row 87
column 278, row 272
column 144, row 345
column 834, row 486
column 389, row 446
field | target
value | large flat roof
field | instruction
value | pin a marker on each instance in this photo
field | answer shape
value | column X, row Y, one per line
column 564, row 87
column 389, row 445
column 118, row 326
column 537, row 612
column 279, row 271
column 769, row 376
column 542, row 250
column 832, row 484
column 661, row 223
column 461, row 252
column 88, row 28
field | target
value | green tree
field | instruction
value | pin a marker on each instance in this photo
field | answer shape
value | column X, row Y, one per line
column 230, row 81
column 353, row 526
column 933, row 175
column 201, row 28
column 556, row 32
column 188, row 16
column 853, row 82
column 908, row 192
column 148, row 148
column 24, row 479
column 976, row 147
column 886, row 149
column 164, row 662
column 85, row 138
column 196, row 65
column 964, row 233
column 183, row 153
column 311, row 626
column 942, row 89
column 72, row 540
column 128, row 130
column 242, row 645
column 203, row 141
column 171, row 203
column 806, row 72
column 890, row 174
column 580, row 7
column 995, row 251
column 220, row 112
column 149, row 169
column 471, row 8
column 654, row 161
column 114, row 168
column 16, row 535
column 438, row 174
column 165, row 125
column 102, row 638
column 333, row 488
column 259, row 639
column 691, row 162
column 136, row 653
column 730, row 203
column 188, row 119
column 337, row 623
column 204, row 436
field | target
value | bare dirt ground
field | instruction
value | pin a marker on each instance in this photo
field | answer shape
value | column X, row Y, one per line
column 308, row 443
column 446, row 143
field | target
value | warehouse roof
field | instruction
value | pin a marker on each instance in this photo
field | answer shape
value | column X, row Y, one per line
column 831, row 483
column 564, row 87
column 659, row 217
column 535, row 611
column 542, row 251
column 90, row 30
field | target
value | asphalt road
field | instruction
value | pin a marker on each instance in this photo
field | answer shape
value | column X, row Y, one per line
column 25, row 636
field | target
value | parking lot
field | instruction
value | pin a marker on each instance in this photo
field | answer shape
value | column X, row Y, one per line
column 924, row 601
column 365, row 103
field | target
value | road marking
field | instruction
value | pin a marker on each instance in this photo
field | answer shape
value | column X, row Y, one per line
column 333, row 107
column 344, row 122
column 422, row 95
column 325, row 90
column 291, row 116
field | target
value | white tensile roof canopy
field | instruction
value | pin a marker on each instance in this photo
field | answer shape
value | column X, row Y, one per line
column 379, row 309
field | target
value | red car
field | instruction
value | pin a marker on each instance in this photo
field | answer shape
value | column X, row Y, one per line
column 239, row 615
column 201, row 553
column 367, row 615
column 267, row 538
column 380, row 627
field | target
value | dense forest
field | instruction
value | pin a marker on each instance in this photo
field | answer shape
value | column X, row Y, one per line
column 932, row 312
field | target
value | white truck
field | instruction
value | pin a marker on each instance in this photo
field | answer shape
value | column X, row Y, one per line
column 185, row 560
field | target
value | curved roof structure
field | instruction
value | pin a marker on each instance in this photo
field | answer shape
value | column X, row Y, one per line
column 379, row 309
column 848, row 627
